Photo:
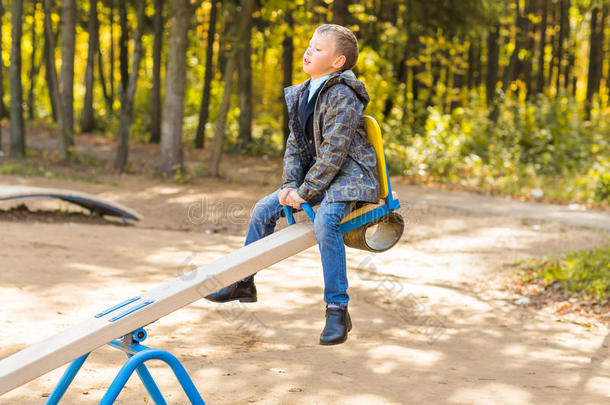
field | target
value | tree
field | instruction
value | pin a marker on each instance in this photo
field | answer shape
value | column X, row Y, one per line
column 245, row 84
column 17, row 124
column 111, row 67
column 34, row 67
column 173, row 106
column 155, row 102
column 207, row 79
column 49, row 59
column 541, row 45
column 287, row 68
column 493, row 54
column 64, row 133
column 214, row 165
column 128, row 94
column 594, row 72
column 87, row 117
column 564, row 33
column 521, row 28
column 3, row 108
column 123, row 40
column 473, row 75
column 491, row 79
column 340, row 12
column 68, row 37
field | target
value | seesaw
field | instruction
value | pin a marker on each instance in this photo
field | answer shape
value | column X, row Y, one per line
column 89, row 201
column 373, row 227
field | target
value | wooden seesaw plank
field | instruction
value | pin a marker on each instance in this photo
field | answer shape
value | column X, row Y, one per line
column 87, row 336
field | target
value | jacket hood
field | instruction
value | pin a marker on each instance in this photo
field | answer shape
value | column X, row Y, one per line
column 346, row 77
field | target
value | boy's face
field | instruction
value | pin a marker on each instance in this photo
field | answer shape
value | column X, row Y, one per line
column 320, row 58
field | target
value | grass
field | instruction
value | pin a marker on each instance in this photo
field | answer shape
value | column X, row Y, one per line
column 584, row 273
column 37, row 170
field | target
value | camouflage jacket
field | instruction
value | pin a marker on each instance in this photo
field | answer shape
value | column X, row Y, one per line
column 344, row 167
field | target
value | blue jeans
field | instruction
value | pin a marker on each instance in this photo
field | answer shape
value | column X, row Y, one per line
column 326, row 228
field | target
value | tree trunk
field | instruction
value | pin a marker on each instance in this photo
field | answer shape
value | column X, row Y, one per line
column 287, row 68
column 123, row 41
column 340, row 12
column 68, row 36
column 564, row 33
column 227, row 23
column 127, row 97
column 155, row 125
column 111, row 73
column 245, row 86
column 493, row 54
column 473, row 75
column 207, row 79
column 17, row 124
column 594, row 63
column 553, row 66
column 100, row 71
column 221, row 122
column 64, row 135
column 87, row 117
column 512, row 70
column 214, row 165
column 3, row 109
column 33, row 64
column 601, row 37
column 173, row 107
column 541, row 46
column 49, row 57
column 100, row 65
column 491, row 79
column 529, row 43
column 457, row 83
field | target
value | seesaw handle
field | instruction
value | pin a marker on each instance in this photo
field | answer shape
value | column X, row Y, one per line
column 288, row 213
column 306, row 207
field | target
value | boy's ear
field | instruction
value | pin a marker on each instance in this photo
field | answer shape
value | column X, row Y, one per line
column 339, row 62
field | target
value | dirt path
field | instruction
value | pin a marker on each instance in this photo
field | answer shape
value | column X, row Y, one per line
column 432, row 320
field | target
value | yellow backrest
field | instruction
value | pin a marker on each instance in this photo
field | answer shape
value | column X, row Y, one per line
column 373, row 133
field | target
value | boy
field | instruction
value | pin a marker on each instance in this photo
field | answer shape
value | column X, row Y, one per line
column 328, row 161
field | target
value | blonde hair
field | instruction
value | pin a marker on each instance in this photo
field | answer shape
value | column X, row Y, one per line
column 346, row 43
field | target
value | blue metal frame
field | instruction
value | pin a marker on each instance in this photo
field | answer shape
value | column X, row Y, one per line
column 391, row 204
column 138, row 354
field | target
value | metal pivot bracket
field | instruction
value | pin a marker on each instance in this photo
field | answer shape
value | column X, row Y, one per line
column 137, row 355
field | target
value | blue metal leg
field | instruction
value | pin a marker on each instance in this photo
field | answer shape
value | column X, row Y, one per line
column 138, row 359
column 288, row 213
column 150, row 385
column 66, row 380
column 310, row 212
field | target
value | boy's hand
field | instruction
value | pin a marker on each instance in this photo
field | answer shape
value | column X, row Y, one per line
column 290, row 197
column 294, row 199
column 282, row 196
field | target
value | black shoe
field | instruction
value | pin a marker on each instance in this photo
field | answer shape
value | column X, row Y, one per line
column 338, row 323
column 244, row 291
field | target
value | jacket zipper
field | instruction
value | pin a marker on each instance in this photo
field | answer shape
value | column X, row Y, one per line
column 315, row 116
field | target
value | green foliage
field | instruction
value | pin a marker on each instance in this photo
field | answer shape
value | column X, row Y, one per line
column 541, row 144
column 585, row 272
column 37, row 170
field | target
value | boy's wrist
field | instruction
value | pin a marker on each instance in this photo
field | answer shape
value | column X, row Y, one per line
column 305, row 193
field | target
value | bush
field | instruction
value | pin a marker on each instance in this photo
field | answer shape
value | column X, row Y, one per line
column 543, row 144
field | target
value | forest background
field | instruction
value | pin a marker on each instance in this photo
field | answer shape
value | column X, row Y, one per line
column 505, row 96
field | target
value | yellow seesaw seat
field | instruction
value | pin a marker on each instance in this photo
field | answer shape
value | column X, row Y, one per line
column 373, row 133
column 382, row 226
